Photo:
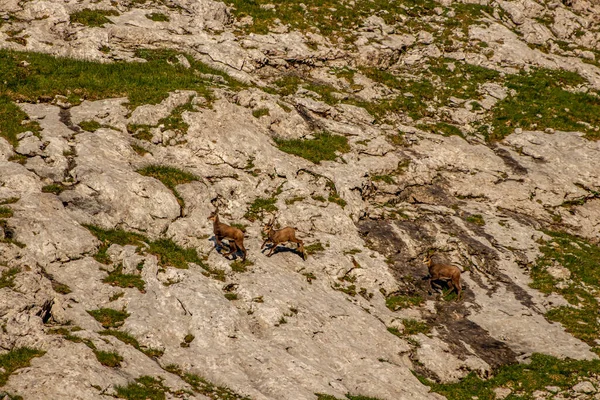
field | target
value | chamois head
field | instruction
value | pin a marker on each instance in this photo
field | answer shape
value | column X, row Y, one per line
column 269, row 225
column 214, row 215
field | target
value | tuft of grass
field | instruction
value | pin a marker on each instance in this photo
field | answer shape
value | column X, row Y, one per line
column 581, row 258
column 118, row 278
column 260, row 206
column 158, row 17
column 144, row 388
column 169, row 176
column 231, row 296
column 543, row 371
column 293, row 200
column 324, row 146
column 5, row 212
column 90, row 126
column 139, row 149
column 170, row 253
column 15, row 359
column 55, row 188
column 108, row 317
column 127, row 338
column 10, row 200
column 93, row 17
column 413, row 327
column 116, row 296
column 110, row 359
column 396, row 302
column 7, row 279
column 241, row 266
column 476, row 219
column 259, row 112
column 189, row 338
column 61, row 287
column 314, row 248
column 442, row 128
column 321, row 396
column 204, row 387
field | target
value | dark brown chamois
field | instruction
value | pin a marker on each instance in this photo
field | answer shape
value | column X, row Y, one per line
column 284, row 235
column 444, row 272
column 224, row 231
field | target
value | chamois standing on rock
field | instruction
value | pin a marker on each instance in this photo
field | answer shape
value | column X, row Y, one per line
column 224, row 231
column 284, row 235
column 443, row 272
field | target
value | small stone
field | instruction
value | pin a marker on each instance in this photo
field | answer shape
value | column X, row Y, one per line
column 502, row 392
column 584, row 387
column 553, row 389
column 438, row 10
column 518, row 131
column 549, row 130
column 588, row 55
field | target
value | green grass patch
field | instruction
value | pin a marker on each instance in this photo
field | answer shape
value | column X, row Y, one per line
column 324, row 146
column 231, row 296
column 93, row 17
column 241, row 266
column 413, row 327
column 204, row 387
column 55, row 188
column 169, row 176
column 158, row 17
column 259, row 206
column 541, row 102
column 396, row 302
column 331, row 18
column 47, row 76
column 127, row 338
column 259, row 112
column 10, row 200
column 7, row 278
column 118, row 278
column 5, row 212
column 523, row 379
column 144, row 388
column 108, row 317
column 581, row 258
column 442, row 128
column 314, row 248
column 476, row 219
column 293, row 200
column 16, row 359
column 168, row 252
column 321, row 396
column 110, row 359
column 90, row 126
column 139, row 149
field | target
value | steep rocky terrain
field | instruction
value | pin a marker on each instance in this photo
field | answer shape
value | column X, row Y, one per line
column 382, row 131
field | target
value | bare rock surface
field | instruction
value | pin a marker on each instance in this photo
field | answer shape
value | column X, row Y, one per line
column 86, row 231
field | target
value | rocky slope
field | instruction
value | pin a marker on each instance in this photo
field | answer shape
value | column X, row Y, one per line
column 469, row 131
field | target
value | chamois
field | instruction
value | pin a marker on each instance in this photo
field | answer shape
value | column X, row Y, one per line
column 443, row 272
column 276, row 237
column 224, row 231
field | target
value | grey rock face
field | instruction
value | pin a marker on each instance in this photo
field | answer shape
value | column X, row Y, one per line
column 282, row 327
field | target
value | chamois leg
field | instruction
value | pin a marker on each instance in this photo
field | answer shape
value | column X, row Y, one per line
column 240, row 246
column 264, row 243
column 273, row 247
column 300, row 247
column 232, row 248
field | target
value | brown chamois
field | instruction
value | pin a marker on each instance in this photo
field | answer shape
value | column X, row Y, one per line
column 284, row 235
column 224, row 231
column 443, row 272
